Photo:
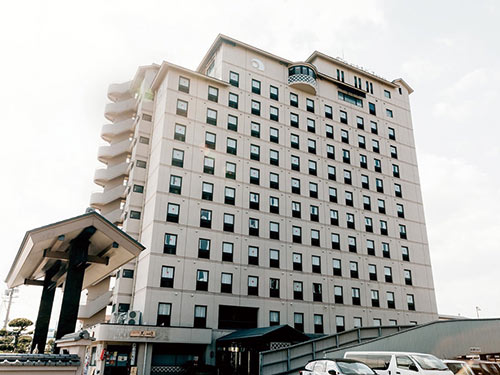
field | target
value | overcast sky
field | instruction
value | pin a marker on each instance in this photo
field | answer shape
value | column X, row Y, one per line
column 58, row 58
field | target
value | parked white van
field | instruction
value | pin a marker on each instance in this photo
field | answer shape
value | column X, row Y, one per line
column 401, row 363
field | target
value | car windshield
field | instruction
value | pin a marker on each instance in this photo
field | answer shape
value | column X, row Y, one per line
column 429, row 362
column 354, row 368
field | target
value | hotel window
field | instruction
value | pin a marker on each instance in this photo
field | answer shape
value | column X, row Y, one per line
column 213, row 94
column 202, row 280
column 311, row 125
column 381, row 206
column 346, row 156
column 329, row 131
column 343, row 117
column 377, row 165
column 173, row 212
column 200, row 316
column 313, row 190
column 274, row 288
column 317, row 292
column 331, row 173
column 391, row 304
column 232, row 123
column 140, row 189
column 296, row 210
column 361, row 141
column 204, row 248
column 254, row 176
column 170, row 245
column 135, row 215
column 353, row 266
column 208, row 165
column 397, row 191
column 231, row 146
column 294, row 100
column 344, row 136
column 402, row 231
column 298, row 292
column 147, row 117
column 352, row 244
column 313, row 168
column 356, row 296
column 253, row 227
column 294, row 141
column 395, row 170
column 255, row 86
column 274, row 258
column 274, row 318
column 360, row 122
column 253, row 255
column 387, row 94
column 274, row 157
column 297, row 261
column 332, row 194
column 274, row 181
column 389, row 113
column 295, row 185
column 310, row 105
column 227, row 251
column 311, row 146
column 175, row 184
column 314, row 213
column 379, row 185
column 411, row 302
column 350, row 221
column 180, row 133
column 315, row 237
column 334, row 217
column 184, row 84
column 349, row 199
column 226, row 283
column 177, row 158
column 394, row 152
column 255, row 129
column 233, row 100
column 392, row 133
column 357, row 322
column 365, row 182
column 373, row 127
column 388, row 274
column 372, row 272
column 229, row 195
column 340, row 323
column 255, row 108
column 328, row 112
column 386, row 252
column 375, row 146
column 294, row 120
column 338, row 294
column 182, row 108
column 405, row 253
column 253, row 286
column 211, row 116
column 273, row 92
column 167, row 277
column 205, row 218
column 254, row 201
column 337, row 267
column 330, row 152
column 370, row 247
column 335, row 241
column 375, row 298
column 318, row 323
column 228, row 223
column 369, row 224
column 144, row 140
column 274, row 230
column 163, row 317
column 377, row 322
column 298, row 321
column 234, row 79
column 254, row 152
column 274, row 135
column 274, row 205
column 383, row 227
column 316, row 264
column 363, row 163
column 230, row 170
column 273, row 113
column 407, row 275
column 210, row 139
column 372, row 110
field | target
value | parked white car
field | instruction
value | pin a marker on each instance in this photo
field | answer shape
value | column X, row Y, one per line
column 336, row 366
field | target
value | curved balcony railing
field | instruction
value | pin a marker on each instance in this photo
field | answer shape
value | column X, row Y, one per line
column 103, row 175
column 119, row 91
column 120, row 109
column 111, row 130
column 303, row 77
column 102, row 198
column 104, row 153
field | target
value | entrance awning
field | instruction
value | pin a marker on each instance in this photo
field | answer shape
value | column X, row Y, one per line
column 282, row 333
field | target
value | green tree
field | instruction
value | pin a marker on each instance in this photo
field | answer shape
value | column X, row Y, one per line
column 20, row 324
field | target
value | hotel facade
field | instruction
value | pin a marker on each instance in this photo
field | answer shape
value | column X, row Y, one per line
column 266, row 192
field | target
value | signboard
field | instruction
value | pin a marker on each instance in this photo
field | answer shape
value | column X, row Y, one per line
column 139, row 333
column 474, row 350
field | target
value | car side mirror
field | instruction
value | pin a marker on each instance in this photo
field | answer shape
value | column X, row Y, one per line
column 332, row 372
column 413, row 367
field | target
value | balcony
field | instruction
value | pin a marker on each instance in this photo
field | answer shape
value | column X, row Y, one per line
column 119, row 91
column 120, row 109
column 93, row 307
column 102, row 198
column 103, row 175
column 104, row 153
column 109, row 131
column 303, row 77
column 115, row 216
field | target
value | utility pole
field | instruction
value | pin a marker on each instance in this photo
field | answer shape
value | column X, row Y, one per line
column 477, row 311
column 10, row 294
